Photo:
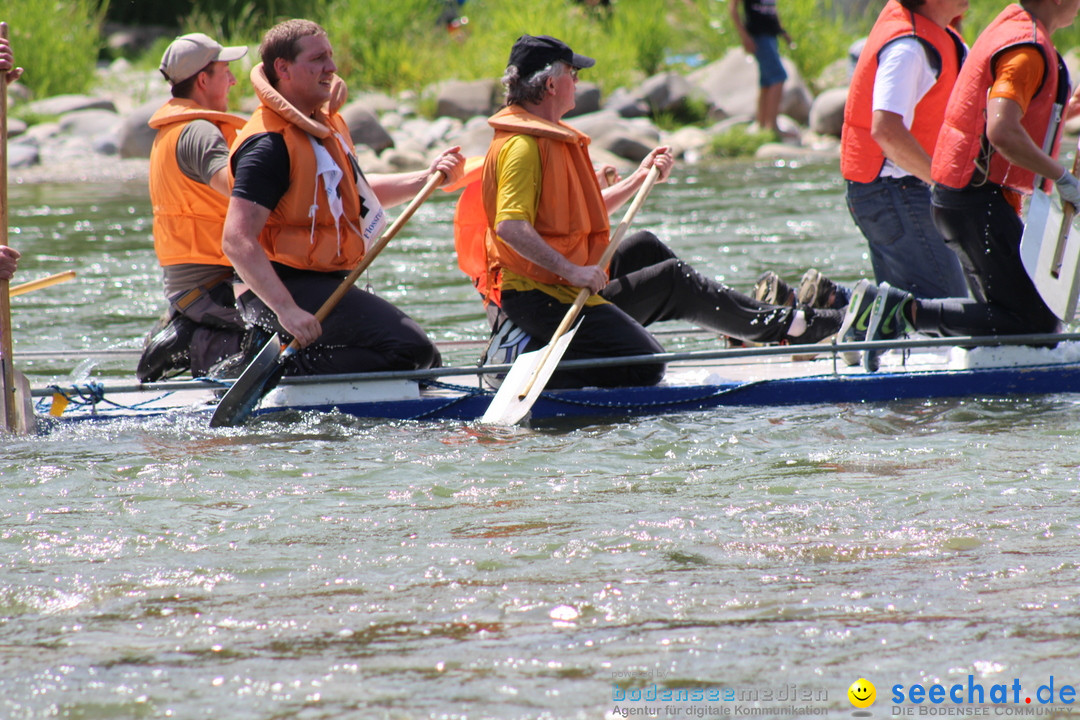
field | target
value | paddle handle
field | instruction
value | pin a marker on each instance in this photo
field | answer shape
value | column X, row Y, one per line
column 1068, row 212
column 605, row 260
column 47, row 281
column 7, row 369
column 436, row 179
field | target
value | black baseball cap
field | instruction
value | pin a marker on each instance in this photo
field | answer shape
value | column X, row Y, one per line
column 532, row 53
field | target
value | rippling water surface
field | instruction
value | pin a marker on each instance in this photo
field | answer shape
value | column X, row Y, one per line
column 328, row 567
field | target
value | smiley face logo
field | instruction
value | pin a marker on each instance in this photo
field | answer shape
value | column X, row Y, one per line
column 862, row 693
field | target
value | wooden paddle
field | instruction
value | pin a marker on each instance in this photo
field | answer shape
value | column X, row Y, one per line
column 255, row 381
column 12, row 387
column 531, row 371
column 47, row 281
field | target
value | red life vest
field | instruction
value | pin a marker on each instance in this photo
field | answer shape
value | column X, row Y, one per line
column 964, row 156
column 861, row 158
column 188, row 215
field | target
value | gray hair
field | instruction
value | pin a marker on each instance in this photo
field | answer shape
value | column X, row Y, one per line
column 531, row 89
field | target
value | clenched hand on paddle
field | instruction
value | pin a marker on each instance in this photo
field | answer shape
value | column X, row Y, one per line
column 255, row 381
column 531, row 371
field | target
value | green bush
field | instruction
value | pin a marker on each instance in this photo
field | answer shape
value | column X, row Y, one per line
column 57, row 42
column 739, row 141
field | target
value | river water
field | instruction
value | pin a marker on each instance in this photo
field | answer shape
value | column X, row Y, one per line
column 737, row 562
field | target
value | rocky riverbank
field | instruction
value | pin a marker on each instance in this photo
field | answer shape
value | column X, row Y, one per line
column 104, row 136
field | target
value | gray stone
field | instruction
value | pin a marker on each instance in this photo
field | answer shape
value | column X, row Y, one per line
column 90, row 123
column 667, row 92
column 463, row 100
column 731, row 85
column 23, row 154
column 626, row 104
column 16, row 127
column 586, row 99
column 364, row 127
column 827, row 113
column 135, row 137
column 63, row 104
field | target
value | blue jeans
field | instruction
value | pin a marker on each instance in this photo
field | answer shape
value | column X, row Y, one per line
column 906, row 249
column 767, row 53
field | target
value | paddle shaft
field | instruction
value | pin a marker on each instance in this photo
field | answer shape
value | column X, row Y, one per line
column 8, row 369
column 48, row 280
column 331, row 302
column 1068, row 212
column 605, row 259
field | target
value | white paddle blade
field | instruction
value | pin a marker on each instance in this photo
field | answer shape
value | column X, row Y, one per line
column 1054, row 273
column 508, row 407
column 1035, row 229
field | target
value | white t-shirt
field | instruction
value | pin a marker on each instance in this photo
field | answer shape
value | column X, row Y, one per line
column 903, row 78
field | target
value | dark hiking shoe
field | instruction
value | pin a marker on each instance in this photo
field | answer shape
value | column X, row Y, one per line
column 166, row 353
column 770, row 288
column 232, row 367
column 817, row 291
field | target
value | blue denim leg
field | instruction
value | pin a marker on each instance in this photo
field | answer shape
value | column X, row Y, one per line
column 906, row 249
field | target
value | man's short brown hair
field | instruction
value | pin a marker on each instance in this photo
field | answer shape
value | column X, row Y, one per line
column 282, row 41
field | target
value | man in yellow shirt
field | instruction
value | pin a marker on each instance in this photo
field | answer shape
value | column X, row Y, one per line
column 547, row 226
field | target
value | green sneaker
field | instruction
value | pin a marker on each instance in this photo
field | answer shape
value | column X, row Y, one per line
column 857, row 318
column 888, row 320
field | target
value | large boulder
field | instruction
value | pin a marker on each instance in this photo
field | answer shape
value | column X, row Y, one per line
column 463, row 100
column 364, row 127
column 135, row 137
column 730, row 85
column 586, row 99
column 827, row 113
column 63, row 104
column 667, row 92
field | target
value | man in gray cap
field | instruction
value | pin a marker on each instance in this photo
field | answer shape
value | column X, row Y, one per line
column 189, row 189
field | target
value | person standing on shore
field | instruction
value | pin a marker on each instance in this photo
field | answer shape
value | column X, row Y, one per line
column 302, row 210
column 189, row 190
column 758, row 34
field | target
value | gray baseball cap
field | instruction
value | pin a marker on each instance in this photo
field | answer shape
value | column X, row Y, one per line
column 188, row 54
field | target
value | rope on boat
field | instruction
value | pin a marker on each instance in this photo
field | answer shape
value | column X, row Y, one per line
column 466, row 393
column 88, row 395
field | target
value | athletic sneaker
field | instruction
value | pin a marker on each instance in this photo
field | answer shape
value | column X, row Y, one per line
column 770, row 288
column 887, row 320
column 166, row 353
column 506, row 343
column 821, row 324
column 857, row 318
column 818, row 291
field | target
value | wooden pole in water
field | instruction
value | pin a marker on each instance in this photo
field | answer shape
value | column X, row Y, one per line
column 8, row 369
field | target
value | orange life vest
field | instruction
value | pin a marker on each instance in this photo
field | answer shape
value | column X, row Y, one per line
column 301, row 232
column 861, row 158
column 188, row 215
column 571, row 215
column 964, row 156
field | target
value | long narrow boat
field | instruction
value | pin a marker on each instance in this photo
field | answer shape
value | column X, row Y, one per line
column 1016, row 366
